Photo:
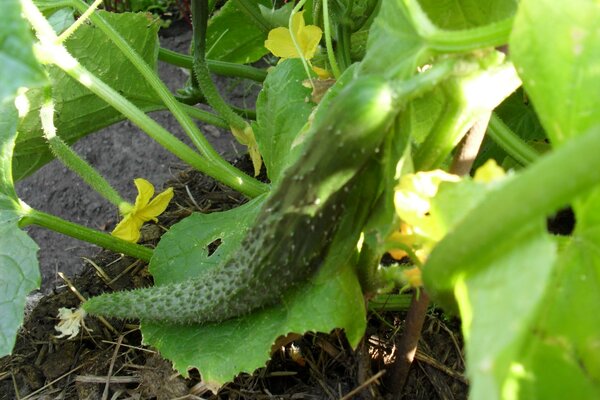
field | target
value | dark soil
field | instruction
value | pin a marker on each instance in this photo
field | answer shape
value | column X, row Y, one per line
column 315, row 366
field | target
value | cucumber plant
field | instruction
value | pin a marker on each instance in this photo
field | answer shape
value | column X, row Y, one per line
column 355, row 171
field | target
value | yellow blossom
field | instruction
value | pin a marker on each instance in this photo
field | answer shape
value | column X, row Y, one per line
column 489, row 172
column 280, row 43
column 142, row 211
column 413, row 277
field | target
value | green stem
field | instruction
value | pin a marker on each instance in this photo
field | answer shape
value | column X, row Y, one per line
column 104, row 240
column 69, row 158
column 159, row 87
column 84, row 16
column 445, row 134
column 231, row 177
column 305, row 63
column 203, row 116
column 222, row 68
column 49, row 52
column 253, row 13
column 328, row 44
column 510, row 142
column 553, row 181
column 462, row 41
column 212, row 95
column 390, row 302
column 343, row 46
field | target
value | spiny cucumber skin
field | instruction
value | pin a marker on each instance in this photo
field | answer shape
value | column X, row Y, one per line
column 292, row 232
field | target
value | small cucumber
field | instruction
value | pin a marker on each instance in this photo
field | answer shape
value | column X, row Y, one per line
column 293, row 231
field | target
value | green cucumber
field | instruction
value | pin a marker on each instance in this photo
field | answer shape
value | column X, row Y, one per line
column 294, row 229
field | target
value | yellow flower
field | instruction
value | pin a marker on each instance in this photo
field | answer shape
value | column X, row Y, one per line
column 279, row 41
column 142, row 211
column 489, row 172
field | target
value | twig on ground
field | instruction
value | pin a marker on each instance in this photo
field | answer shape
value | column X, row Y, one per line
column 364, row 385
column 30, row 395
column 111, row 367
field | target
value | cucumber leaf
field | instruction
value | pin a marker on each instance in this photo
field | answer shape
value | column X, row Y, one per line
column 230, row 36
column 16, row 53
column 279, row 122
column 562, row 358
column 498, row 307
column 462, row 14
column 555, row 47
column 175, row 259
column 78, row 111
column 333, row 299
column 395, row 47
column 19, row 272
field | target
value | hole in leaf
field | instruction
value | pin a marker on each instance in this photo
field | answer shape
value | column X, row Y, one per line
column 212, row 247
column 562, row 223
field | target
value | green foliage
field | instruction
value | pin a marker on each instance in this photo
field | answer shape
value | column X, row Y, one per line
column 231, row 37
column 279, row 122
column 19, row 272
column 80, row 112
column 288, row 261
column 559, row 63
column 395, row 47
column 16, row 53
column 203, row 346
column 463, row 14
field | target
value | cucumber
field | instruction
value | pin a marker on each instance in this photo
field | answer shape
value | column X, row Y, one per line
column 294, row 229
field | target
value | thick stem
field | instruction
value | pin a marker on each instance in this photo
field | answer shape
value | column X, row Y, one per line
column 69, row 158
column 48, row 51
column 31, row 216
column 226, row 173
column 212, row 95
column 462, row 41
column 222, row 68
column 510, row 142
column 415, row 317
column 159, row 87
column 467, row 152
column 553, row 181
column 330, row 54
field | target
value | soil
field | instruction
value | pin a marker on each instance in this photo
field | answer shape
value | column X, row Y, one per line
column 108, row 361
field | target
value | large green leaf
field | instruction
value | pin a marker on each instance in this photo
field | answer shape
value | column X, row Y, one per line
column 19, row 273
column 555, row 47
column 461, row 14
column 498, row 306
column 17, row 62
column 175, row 259
column 232, row 37
column 278, row 122
column 79, row 111
column 395, row 47
column 333, row 299
column 561, row 359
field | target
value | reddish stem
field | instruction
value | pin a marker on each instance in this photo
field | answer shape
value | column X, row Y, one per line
column 415, row 317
